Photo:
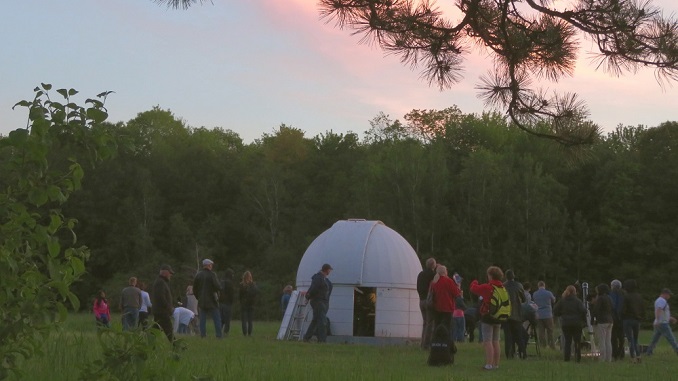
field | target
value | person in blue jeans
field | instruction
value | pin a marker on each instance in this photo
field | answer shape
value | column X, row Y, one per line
column 319, row 295
column 130, row 302
column 206, row 288
column 662, row 319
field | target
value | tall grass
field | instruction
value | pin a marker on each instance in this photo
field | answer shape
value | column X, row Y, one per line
column 262, row 357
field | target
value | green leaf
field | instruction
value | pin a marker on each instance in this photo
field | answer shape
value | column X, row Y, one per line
column 46, row 86
column 63, row 92
column 63, row 312
column 55, row 223
column 54, row 247
column 104, row 94
column 54, row 193
column 22, row 103
column 75, row 302
column 37, row 196
column 18, row 137
column 72, row 92
column 96, row 115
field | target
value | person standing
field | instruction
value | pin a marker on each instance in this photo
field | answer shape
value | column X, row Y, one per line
column 572, row 315
column 206, row 290
column 459, row 318
column 192, row 304
column 662, row 319
column 102, row 312
column 445, row 291
column 489, row 329
column 226, row 301
column 423, row 283
column 632, row 314
column 513, row 327
column 285, row 299
column 248, row 296
column 602, row 310
column 161, row 298
column 146, row 305
column 130, row 303
column 544, row 300
column 617, row 297
column 319, row 296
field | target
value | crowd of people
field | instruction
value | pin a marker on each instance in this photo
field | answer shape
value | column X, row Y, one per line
column 206, row 296
column 613, row 312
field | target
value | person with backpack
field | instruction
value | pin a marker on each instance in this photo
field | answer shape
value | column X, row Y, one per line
column 495, row 309
column 513, row 327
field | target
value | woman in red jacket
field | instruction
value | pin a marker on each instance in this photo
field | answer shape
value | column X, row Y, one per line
column 445, row 290
column 490, row 330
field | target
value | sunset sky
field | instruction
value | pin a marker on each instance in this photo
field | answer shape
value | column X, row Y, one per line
column 250, row 66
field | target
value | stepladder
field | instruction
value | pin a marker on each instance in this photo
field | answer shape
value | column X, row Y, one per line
column 296, row 317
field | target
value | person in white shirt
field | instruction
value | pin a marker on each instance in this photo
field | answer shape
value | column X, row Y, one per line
column 146, row 305
column 662, row 319
column 182, row 319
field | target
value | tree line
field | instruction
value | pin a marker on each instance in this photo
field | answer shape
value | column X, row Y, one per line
column 470, row 190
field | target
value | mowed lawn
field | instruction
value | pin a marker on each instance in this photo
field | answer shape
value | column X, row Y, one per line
column 262, row 357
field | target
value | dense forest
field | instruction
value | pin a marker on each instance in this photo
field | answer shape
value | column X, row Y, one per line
column 469, row 190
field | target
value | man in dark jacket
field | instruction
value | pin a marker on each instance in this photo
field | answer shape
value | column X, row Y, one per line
column 513, row 327
column 206, row 289
column 161, row 299
column 617, row 297
column 319, row 295
column 226, row 301
column 423, row 283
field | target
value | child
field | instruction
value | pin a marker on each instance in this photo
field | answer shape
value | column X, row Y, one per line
column 101, row 310
column 442, row 348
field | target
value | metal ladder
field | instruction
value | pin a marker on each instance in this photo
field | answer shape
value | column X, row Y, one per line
column 296, row 317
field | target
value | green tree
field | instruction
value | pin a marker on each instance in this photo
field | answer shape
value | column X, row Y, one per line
column 39, row 259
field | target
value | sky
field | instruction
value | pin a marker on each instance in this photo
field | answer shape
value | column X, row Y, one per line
column 250, row 66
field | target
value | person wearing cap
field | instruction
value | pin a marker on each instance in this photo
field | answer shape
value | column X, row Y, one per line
column 319, row 295
column 130, row 303
column 662, row 319
column 161, row 299
column 513, row 328
column 617, row 295
column 206, row 289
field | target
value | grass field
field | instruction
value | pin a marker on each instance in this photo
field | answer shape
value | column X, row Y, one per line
column 262, row 357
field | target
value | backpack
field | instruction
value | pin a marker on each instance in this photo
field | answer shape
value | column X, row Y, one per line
column 499, row 306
